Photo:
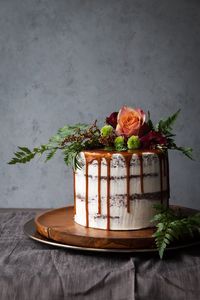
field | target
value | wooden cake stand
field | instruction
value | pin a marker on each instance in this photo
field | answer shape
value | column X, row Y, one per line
column 58, row 225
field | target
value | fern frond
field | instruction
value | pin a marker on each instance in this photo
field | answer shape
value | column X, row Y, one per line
column 72, row 139
column 23, row 156
column 165, row 126
column 50, row 154
column 26, row 155
column 186, row 151
column 171, row 227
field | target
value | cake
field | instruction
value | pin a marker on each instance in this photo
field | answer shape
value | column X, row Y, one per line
column 121, row 170
column 117, row 190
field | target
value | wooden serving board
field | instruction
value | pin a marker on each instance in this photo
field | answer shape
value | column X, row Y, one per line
column 58, row 225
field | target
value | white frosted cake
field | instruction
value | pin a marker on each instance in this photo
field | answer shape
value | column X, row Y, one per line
column 117, row 190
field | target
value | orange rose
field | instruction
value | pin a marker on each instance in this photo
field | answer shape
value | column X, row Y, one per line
column 129, row 121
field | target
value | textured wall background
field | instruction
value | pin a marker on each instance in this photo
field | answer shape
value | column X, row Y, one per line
column 66, row 61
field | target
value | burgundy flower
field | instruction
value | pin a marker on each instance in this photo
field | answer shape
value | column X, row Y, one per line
column 152, row 138
column 144, row 129
column 112, row 119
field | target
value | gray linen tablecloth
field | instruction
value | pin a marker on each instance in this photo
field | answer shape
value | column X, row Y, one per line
column 30, row 270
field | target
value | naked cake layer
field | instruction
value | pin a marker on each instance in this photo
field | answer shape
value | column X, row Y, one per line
column 116, row 190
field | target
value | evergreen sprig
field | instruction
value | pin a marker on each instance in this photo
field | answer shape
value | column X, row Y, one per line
column 171, row 226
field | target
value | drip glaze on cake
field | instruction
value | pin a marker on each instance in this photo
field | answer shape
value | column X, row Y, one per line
column 97, row 200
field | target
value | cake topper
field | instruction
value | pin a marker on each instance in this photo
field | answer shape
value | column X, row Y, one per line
column 127, row 130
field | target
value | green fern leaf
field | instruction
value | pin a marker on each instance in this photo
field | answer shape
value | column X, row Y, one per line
column 172, row 227
column 165, row 126
column 186, row 151
column 50, row 154
column 25, row 150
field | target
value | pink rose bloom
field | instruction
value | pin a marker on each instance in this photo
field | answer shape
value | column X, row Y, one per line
column 129, row 121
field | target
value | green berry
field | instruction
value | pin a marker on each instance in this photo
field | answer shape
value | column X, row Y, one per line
column 133, row 142
column 106, row 130
column 119, row 143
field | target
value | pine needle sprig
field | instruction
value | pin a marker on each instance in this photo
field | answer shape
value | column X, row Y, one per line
column 171, row 226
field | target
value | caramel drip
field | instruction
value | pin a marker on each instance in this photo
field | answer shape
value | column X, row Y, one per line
column 95, row 154
column 141, row 173
column 86, row 193
column 127, row 161
column 88, row 159
column 99, row 186
column 74, row 177
column 108, row 192
column 107, row 155
column 161, row 176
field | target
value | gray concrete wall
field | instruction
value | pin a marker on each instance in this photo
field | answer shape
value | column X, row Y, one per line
column 66, row 61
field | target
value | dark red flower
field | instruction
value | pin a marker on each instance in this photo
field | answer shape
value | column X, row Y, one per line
column 144, row 129
column 112, row 119
column 151, row 139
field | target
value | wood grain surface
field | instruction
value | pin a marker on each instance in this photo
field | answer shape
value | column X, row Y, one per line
column 58, row 225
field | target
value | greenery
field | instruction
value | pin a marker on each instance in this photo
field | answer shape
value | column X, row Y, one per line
column 133, row 142
column 25, row 154
column 106, row 130
column 171, row 226
column 71, row 140
column 165, row 128
column 119, row 143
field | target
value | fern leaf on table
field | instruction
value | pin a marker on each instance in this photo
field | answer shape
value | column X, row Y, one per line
column 171, row 227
